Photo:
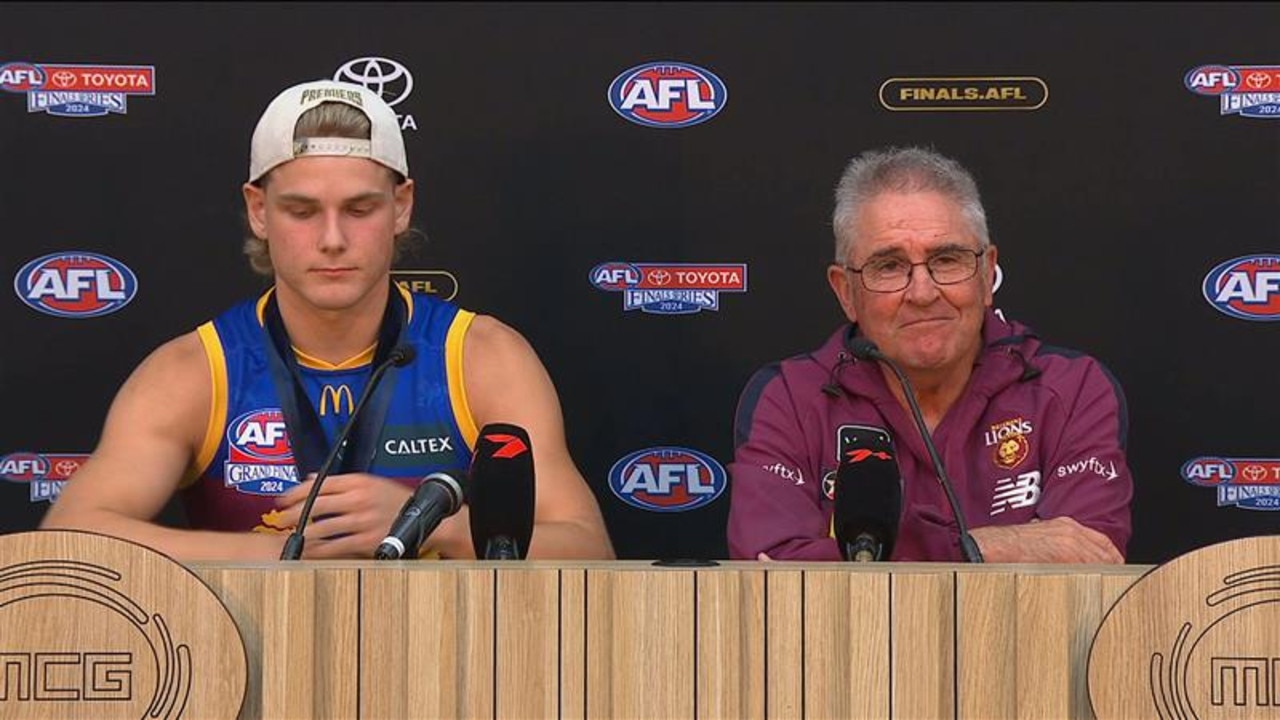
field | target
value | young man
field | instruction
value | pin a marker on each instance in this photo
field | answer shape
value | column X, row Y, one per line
column 1031, row 435
column 227, row 415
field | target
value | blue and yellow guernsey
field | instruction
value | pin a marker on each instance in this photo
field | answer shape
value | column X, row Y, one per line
column 247, row 458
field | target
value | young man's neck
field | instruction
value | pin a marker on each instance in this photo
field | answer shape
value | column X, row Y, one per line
column 334, row 336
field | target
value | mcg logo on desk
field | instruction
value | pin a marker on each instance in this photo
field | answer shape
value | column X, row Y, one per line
column 1250, row 483
column 259, row 457
column 1246, row 287
column 667, row 479
column 667, row 94
column 75, row 284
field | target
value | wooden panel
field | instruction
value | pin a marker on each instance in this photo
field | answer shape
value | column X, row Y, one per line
column 573, row 644
column 784, row 644
column 640, row 642
column 528, row 643
column 730, row 682
column 1057, row 616
column 846, row 644
column 923, row 647
column 293, row 621
column 986, row 647
column 427, row 643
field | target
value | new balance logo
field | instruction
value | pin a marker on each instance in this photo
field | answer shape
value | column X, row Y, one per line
column 1014, row 493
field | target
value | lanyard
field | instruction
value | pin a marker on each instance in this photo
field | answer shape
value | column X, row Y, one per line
column 306, row 435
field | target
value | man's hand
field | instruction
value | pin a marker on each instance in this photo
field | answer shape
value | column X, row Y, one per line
column 350, row 517
column 1060, row 540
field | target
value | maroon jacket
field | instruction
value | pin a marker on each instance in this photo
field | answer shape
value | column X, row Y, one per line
column 1039, row 432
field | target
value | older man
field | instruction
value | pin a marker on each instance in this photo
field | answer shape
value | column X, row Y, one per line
column 1031, row 435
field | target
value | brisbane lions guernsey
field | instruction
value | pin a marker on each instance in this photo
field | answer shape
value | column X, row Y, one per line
column 247, row 458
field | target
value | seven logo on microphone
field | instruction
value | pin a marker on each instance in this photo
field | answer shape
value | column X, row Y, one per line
column 667, row 94
column 68, row 90
column 75, row 284
column 667, row 479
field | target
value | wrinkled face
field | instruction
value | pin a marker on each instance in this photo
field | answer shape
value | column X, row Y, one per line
column 330, row 225
column 925, row 326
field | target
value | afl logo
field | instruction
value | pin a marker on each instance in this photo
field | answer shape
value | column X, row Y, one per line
column 667, row 479
column 75, row 284
column 1246, row 287
column 1212, row 80
column 19, row 77
column 667, row 94
column 261, row 435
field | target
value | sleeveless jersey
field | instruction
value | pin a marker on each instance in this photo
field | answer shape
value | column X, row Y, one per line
column 247, row 459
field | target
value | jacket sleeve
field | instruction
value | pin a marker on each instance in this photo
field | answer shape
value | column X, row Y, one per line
column 774, row 494
column 1088, row 477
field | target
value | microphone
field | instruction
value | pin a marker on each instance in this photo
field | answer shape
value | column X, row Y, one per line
column 868, row 496
column 399, row 356
column 501, row 493
column 864, row 349
column 439, row 496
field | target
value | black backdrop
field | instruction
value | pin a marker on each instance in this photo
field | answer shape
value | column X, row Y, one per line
column 1111, row 204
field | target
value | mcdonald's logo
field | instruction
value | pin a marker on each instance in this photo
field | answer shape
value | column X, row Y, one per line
column 330, row 394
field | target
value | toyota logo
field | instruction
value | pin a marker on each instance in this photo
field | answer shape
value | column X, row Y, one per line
column 388, row 78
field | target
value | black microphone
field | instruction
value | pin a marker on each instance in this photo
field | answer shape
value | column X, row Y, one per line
column 868, row 495
column 399, row 356
column 501, row 493
column 439, row 496
column 864, row 349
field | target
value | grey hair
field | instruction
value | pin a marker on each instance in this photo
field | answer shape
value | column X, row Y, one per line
column 326, row 120
column 903, row 170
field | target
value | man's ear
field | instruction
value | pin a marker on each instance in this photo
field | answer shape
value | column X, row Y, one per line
column 404, row 205
column 989, row 275
column 255, row 208
column 842, row 285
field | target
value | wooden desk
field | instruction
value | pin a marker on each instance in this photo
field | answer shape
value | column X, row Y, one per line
column 630, row 640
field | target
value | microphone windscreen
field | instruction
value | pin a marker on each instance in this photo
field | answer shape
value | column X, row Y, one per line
column 863, row 349
column 501, row 491
column 868, row 490
column 403, row 355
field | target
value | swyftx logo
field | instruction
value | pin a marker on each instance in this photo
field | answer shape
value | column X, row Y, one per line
column 670, row 288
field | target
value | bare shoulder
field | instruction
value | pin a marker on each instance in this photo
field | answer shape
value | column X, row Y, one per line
column 505, row 380
column 488, row 336
column 171, row 389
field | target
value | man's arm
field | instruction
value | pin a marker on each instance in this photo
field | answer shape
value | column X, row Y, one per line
column 774, row 497
column 506, row 382
column 151, row 436
column 1085, row 492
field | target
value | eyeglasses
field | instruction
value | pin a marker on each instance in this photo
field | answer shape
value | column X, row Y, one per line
column 892, row 274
